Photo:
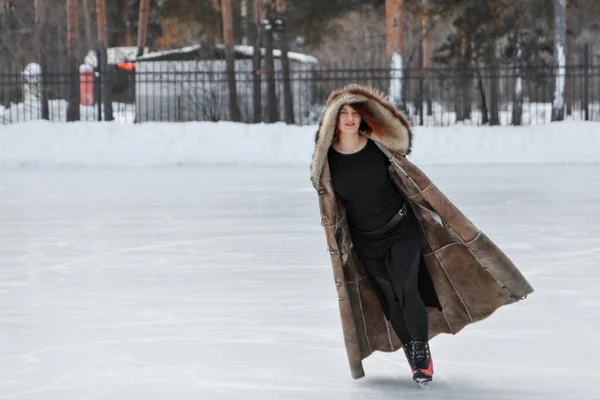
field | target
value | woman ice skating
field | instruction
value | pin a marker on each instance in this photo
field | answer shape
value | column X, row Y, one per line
column 407, row 264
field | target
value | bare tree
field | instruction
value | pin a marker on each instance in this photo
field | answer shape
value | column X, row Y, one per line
column 126, row 14
column 269, row 61
column 230, row 59
column 394, row 17
column 256, row 62
column 88, row 24
column 517, row 109
column 569, row 54
column 426, row 48
column 560, row 28
column 4, row 36
column 101, row 51
column 285, row 62
column 40, row 24
column 143, row 26
column 216, row 27
column 244, row 15
column 72, row 61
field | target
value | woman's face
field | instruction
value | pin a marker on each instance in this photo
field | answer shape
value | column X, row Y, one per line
column 349, row 120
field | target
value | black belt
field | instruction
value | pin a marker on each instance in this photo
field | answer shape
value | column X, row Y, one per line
column 389, row 225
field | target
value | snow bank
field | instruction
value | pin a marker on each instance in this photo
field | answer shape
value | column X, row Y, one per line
column 89, row 144
column 31, row 110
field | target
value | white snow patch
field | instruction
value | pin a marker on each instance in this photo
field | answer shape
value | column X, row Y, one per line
column 31, row 109
column 41, row 143
column 115, row 55
column 239, row 49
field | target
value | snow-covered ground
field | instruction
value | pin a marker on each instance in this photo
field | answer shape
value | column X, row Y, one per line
column 213, row 282
column 533, row 114
column 57, row 110
column 45, row 144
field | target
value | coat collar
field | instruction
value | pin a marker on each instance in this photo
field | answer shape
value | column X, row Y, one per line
column 396, row 135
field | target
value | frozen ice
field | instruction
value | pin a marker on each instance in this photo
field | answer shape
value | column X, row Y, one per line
column 214, row 283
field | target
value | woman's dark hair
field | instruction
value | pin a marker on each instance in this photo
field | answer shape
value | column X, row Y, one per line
column 368, row 123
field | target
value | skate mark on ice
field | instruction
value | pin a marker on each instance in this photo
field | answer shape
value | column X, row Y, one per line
column 163, row 245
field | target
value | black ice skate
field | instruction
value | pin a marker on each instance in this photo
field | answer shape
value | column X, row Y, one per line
column 420, row 361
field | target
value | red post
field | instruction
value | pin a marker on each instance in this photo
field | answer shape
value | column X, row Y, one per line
column 86, row 85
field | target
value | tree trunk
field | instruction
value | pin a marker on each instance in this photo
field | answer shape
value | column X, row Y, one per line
column 586, row 81
column 394, row 14
column 4, row 91
column 40, row 11
column 256, row 64
column 462, row 100
column 88, row 24
column 495, row 84
column 421, row 92
column 72, row 61
column 102, row 46
column 285, row 63
column 143, row 26
column 244, row 15
column 216, row 27
column 127, row 22
column 484, row 109
column 558, row 103
column 4, row 35
column 517, row 111
column 234, row 111
column 569, row 79
column 426, row 59
column 40, row 25
column 5, row 97
column 270, row 65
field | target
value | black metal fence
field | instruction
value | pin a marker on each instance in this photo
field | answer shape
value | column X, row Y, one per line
column 198, row 91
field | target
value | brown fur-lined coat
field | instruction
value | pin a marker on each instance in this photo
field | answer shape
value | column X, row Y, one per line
column 471, row 275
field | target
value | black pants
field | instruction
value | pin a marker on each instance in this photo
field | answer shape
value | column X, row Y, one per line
column 396, row 274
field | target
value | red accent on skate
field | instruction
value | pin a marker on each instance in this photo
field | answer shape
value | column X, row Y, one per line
column 428, row 371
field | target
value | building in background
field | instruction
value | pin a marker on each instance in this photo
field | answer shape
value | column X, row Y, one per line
column 190, row 83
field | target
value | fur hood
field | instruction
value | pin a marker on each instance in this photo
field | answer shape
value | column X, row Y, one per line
column 397, row 137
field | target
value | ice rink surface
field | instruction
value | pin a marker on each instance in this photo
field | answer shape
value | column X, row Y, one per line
column 214, row 283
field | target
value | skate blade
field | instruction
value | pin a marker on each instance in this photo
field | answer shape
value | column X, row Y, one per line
column 423, row 382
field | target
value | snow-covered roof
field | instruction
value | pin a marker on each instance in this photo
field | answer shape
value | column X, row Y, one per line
column 115, row 55
column 300, row 57
column 246, row 51
column 159, row 54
